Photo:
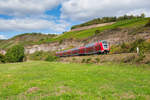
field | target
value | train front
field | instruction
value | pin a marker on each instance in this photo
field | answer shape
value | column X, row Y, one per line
column 105, row 47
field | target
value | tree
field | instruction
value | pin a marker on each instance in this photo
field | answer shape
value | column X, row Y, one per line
column 142, row 15
column 2, row 58
column 15, row 54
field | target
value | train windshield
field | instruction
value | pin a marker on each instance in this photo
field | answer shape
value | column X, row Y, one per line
column 105, row 44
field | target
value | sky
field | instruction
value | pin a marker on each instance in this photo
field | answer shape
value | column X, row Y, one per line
column 57, row 16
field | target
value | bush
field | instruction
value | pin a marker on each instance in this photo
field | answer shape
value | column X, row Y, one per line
column 51, row 58
column 83, row 61
column 135, row 44
column 97, row 60
column 2, row 58
column 148, row 24
column 39, row 55
column 15, row 54
column 97, row 32
column 116, row 49
column 88, row 60
column 45, row 56
column 125, row 48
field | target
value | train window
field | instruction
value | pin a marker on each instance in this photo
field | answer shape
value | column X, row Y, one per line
column 104, row 42
column 105, row 46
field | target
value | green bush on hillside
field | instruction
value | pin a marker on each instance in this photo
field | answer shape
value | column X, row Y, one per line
column 135, row 44
column 148, row 24
column 15, row 54
column 143, row 45
column 2, row 58
column 51, row 58
column 40, row 55
column 97, row 32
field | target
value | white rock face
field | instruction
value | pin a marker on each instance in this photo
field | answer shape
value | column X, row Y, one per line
column 51, row 46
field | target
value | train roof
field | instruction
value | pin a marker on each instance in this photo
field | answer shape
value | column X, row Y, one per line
column 74, row 49
column 88, row 45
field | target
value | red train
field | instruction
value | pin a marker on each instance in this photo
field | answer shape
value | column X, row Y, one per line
column 99, row 47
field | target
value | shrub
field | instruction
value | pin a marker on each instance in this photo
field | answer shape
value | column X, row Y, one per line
column 61, row 41
column 137, row 43
column 88, row 60
column 83, row 61
column 148, row 24
column 97, row 60
column 40, row 55
column 97, row 32
column 116, row 49
column 15, row 54
column 2, row 58
column 51, row 58
column 125, row 48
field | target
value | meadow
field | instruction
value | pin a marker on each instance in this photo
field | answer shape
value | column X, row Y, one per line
column 40, row 80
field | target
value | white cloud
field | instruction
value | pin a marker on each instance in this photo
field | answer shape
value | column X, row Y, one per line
column 139, row 11
column 88, row 9
column 26, row 7
column 29, row 24
column 29, row 15
column 2, row 37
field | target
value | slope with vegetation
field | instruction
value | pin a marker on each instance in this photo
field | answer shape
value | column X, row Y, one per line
column 107, row 20
column 25, row 39
column 84, row 34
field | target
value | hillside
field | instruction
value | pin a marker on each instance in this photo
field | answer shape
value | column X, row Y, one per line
column 106, row 20
column 122, row 31
column 84, row 34
column 25, row 39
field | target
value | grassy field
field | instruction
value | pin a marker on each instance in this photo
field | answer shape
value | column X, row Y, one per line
column 60, row 81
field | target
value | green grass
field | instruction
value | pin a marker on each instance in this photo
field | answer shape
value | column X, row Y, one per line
column 60, row 81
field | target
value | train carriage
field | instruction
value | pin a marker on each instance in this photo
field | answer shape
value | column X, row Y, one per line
column 99, row 47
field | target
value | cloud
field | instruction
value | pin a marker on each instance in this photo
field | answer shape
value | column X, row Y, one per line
column 2, row 37
column 139, row 11
column 26, row 7
column 29, row 24
column 81, row 10
column 29, row 15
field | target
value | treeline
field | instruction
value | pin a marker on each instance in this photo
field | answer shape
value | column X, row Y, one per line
column 34, row 34
column 107, row 19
